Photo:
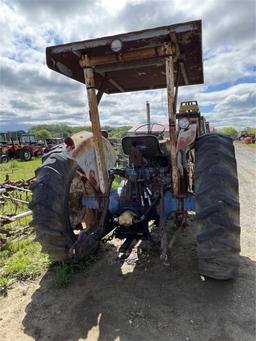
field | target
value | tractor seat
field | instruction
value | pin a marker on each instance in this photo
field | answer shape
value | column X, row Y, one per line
column 147, row 144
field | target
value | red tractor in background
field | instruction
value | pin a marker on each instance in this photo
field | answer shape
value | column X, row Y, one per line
column 26, row 147
column 247, row 138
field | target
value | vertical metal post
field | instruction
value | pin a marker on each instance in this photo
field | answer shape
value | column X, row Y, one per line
column 177, row 87
column 95, row 121
column 172, row 117
column 148, row 117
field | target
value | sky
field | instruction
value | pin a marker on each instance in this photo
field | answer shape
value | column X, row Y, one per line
column 32, row 94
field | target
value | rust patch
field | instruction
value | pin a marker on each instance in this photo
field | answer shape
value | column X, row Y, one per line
column 85, row 155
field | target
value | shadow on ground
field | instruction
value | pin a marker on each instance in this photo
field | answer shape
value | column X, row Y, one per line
column 152, row 303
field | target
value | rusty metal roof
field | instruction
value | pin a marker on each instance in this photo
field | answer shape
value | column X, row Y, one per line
column 118, row 72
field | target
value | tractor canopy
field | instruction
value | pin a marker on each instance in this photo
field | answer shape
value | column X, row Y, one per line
column 136, row 60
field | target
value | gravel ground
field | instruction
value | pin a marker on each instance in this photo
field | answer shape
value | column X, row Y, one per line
column 144, row 300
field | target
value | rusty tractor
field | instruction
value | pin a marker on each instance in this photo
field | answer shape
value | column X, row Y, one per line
column 74, row 203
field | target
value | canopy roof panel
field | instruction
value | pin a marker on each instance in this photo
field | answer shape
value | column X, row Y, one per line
column 140, row 64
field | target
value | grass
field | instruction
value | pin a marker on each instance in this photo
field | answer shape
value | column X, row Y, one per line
column 14, row 208
column 64, row 272
column 62, row 275
column 17, row 169
column 4, row 283
column 252, row 145
column 21, row 260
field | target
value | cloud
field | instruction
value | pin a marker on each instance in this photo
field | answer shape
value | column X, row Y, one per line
column 31, row 93
column 235, row 106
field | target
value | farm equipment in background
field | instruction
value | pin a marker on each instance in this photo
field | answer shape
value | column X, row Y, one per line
column 9, row 136
column 25, row 148
column 74, row 205
column 51, row 143
column 19, row 145
column 246, row 137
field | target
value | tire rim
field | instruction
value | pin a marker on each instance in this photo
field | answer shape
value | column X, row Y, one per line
column 26, row 155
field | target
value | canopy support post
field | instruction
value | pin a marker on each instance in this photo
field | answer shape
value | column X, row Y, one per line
column 172, row 117
column 95, row 121
column 177, row 88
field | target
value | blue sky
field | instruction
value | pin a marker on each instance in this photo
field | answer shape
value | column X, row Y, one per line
column 32, row 94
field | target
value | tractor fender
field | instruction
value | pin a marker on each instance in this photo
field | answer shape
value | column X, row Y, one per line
column 83, row 152
column 186, row 137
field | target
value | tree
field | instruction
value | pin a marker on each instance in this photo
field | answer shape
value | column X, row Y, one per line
column 42, row 131
column 229, row 131
column 42, row 134
column 250, row 130
column 119, row 131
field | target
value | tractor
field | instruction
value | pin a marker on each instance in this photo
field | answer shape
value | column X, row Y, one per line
column 25, row 148
column 74, row 203
column 246, row 137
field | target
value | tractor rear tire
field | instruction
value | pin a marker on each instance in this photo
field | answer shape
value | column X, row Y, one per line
column 51, row 200
column 217, row 207
column 25, row 155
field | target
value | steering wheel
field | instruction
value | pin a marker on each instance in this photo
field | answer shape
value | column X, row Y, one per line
column 151, row 127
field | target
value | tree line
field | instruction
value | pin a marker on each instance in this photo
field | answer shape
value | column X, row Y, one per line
column 45, row 131
column 48, row 131
column 234, row 133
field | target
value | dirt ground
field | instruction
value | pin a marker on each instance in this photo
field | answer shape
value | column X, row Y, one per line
column 144, row 300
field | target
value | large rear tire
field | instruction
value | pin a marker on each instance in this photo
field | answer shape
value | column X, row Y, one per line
column 217, row 206
column 56, row 203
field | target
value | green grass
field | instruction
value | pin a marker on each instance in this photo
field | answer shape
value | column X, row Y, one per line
column 62, row 275
column 21, row 260
column 64, row 272
column 13, row 207
column 4, row 283
column 17, row 169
